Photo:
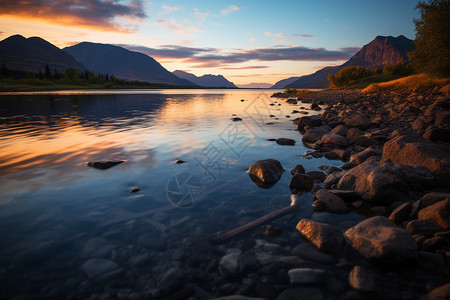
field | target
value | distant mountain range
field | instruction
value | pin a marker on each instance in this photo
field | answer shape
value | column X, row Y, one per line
column 207, row 80
column 255, row 85
column 34, row 54
column 379, row 52
column 122, row 63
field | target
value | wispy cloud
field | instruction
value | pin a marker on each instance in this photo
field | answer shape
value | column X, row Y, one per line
column 170, row 8
column 181, row 28
column 99, row 14
column 229, row 9
column 245, row 68
column 215, row 57
column 274, row 34
column 251, row 40
column 303, row 36
column 200, row 15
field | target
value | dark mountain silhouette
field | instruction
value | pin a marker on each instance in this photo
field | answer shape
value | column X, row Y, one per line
column 379, row 52
column 207, row 80
column 282, row 83
column 34, row 54
column 122, row 63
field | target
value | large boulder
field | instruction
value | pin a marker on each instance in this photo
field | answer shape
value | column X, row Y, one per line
column 362, row 156
column 336, row 139
column 362, row 280
column 265, row 173
column 326, row 201
column 308, row 121
column 374, row 182
column 378, row 238
column 325, row 237
column 314, row 135
column 438, row 213
column 301, row 183
column 415, row 151
column 358, row 121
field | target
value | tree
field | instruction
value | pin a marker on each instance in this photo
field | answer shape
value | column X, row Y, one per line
column 48, row 73
column 432, row 42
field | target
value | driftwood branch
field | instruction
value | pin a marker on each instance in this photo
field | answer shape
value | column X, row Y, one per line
column 295, row 201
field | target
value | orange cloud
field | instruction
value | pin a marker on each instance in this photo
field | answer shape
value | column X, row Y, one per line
column 97, row 14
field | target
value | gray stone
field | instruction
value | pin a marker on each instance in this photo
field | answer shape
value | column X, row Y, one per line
column 97, row 248
column 379, row 238
column 362, row 156
column 285, row 142
column 438, row 213
column 340, row 129
column 301, row 293
column 339, row 140
column 238, row 297
column 422, row 227
column 314, row 135
column 96, row 267
column 330, row 202
column 140, row 259
column 362, row 280
column 400, row 213
column 308, row 252
column 301, row 183
column 325, row 237
column 298, row 169
column 265, row 173
column 306, row 275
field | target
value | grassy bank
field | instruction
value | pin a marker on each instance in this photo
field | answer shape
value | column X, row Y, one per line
column 409, row 83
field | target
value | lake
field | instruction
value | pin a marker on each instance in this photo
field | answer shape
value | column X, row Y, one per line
column 142, row 228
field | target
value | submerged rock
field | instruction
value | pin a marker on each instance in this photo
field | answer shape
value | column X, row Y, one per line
column 301, row 183
column 298, row 169
column 103, row 165
column 265, row 173
column 306, row 275
column 285, row 142
column 379, row 238
column 325, row 237
column 98, row 267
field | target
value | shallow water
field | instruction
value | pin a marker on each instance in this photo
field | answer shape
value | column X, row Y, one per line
column 52, row 205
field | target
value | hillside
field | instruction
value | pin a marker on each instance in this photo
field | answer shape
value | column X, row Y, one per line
column 207, row 80
column 379, row 52
column 34, row 54
column 122, row 63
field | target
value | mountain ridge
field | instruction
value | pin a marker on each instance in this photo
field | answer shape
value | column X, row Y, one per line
column 380, row 51
column 34, row 54
column 207, row 80
column 128, row 65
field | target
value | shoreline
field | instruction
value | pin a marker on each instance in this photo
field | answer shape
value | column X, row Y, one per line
column 395, row 149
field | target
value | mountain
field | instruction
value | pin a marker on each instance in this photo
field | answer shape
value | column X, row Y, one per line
column 207, row 80
column 34, row 54
column 282, row 83
column 379, row 52
column 122, row 63
column 255, row 85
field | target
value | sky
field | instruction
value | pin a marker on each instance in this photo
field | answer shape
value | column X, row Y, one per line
column 246, row 41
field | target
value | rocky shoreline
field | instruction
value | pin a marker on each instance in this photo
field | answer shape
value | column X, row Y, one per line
column 396, row 173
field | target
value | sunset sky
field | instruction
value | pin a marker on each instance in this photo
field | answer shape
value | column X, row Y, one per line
column 246, row 41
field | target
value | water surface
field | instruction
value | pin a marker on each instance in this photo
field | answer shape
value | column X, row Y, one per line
column 52, row 205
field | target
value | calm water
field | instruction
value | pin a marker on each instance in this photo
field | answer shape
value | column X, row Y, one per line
column 53, row 207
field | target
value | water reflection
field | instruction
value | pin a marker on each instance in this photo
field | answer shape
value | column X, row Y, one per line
column 52, row 206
